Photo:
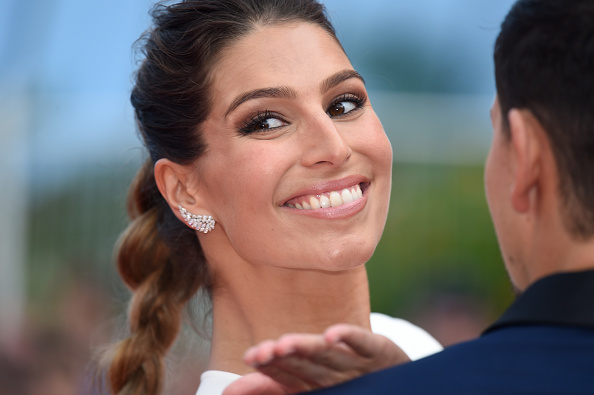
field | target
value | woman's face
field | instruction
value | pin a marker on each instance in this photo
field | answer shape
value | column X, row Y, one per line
column 298, row 167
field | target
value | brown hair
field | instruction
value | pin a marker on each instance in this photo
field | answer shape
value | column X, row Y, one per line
column 159, row 258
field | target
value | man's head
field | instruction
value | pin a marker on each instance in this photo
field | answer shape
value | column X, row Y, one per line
column 544, row 63
column 540, row 171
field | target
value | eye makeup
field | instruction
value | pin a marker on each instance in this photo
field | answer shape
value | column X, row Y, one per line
column 265, row 121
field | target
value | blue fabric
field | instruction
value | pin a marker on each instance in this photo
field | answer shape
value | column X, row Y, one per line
column 524, row 360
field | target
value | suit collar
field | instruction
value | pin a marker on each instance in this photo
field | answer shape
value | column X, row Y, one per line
column 559, row 299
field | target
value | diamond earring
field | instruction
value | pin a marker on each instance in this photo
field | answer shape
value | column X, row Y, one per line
column 202, row 223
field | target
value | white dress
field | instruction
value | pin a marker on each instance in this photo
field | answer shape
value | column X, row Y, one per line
column 414, row 341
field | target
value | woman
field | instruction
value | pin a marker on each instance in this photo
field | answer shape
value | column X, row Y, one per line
column 253, row 116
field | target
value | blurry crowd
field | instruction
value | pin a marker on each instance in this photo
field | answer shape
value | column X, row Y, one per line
column 52, row 356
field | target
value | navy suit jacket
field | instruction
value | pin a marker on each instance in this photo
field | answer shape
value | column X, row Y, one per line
column 543, row 344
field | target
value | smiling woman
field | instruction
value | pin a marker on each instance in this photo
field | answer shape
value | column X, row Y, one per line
column 253, row 116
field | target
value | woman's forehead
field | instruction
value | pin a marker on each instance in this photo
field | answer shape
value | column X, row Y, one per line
column 295, row 54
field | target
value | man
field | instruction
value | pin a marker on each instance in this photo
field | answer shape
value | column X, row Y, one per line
column 539, row 181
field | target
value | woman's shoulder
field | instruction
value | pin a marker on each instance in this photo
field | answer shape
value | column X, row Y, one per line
column 413, row 340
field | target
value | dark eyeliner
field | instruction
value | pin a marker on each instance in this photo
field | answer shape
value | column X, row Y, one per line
column 252, row 123
column 358, row 99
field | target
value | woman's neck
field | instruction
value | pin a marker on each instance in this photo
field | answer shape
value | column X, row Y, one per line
column 258, row 306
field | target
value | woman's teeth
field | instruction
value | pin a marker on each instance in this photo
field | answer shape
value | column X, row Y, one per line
column 327, row 199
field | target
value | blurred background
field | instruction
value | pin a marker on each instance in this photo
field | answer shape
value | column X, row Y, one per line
column 68, row 151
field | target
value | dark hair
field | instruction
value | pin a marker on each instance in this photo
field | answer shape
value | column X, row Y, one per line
column 159, row 258
column 544, row 62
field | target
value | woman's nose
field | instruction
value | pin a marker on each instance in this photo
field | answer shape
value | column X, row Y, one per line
column 324, row 143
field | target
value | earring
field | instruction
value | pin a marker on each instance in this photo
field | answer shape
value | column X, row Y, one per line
column 202, row 223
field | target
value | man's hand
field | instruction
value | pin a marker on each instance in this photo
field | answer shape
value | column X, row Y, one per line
column 304, row 362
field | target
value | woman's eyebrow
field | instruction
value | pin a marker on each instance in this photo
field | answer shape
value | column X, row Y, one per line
column 338, row 78
column 289, row 93
column 275, row 92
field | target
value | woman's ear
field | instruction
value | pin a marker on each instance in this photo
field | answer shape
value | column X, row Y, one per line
column 178, row 185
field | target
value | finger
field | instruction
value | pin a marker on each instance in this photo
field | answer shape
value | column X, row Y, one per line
column 380, row 350
column 338, row 356
column 309, row 372
column 254, row 384
column 316, row 350
column 260, row 354
column 303, row 344
column 287, row 378
column 362, row 341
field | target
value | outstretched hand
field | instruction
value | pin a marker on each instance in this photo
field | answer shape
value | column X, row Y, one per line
column 304, row 362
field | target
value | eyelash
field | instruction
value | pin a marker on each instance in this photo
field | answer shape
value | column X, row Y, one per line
column 252, row 123
column 358, row 100
column 250, row 126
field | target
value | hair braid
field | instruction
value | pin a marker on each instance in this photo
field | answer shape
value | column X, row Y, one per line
column 162, row 284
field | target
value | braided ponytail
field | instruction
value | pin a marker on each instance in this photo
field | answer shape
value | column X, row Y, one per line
column 162, row 284
column 159, row 258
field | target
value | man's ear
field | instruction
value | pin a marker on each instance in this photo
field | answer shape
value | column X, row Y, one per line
column 525, row 135
column 178, row 186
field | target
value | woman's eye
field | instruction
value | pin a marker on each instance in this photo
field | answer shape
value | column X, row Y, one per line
column 268, row 123
column 341, row 108
column 262, row 122
column 345, row 104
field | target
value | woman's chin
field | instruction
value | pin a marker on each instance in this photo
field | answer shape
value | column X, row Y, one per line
column 347, row 258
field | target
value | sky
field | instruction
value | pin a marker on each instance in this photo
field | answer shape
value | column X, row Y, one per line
column 72, row 45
